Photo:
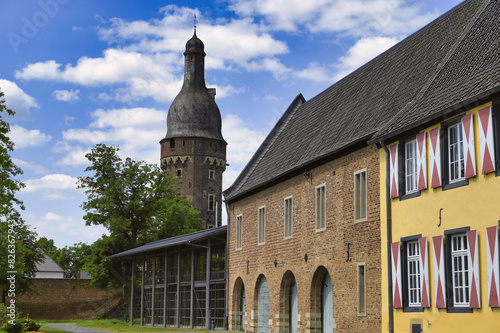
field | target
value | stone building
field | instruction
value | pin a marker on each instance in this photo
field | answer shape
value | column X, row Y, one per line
column 304, row 232
column 193, row 149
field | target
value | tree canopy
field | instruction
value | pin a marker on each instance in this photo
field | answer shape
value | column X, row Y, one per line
column 136, row 202
column 17, row 242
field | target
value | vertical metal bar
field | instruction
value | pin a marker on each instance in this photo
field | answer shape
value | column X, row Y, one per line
column 207, row 296
column 153, row 292
column 132, row 288
column 191, row 317
column 178, row 294
column 165, row 289
column 142, row 292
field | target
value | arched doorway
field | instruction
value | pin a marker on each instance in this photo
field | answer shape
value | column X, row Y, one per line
column 322, row 301
column 262, row 305
column 239, row 305
column 289, row 303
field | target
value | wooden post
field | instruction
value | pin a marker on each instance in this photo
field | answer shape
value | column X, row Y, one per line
column 142, row 293
column 165, row 290
column 178, row 295
column 191, row 310
column 208, row 323
column 153, row 291
column 132, row 288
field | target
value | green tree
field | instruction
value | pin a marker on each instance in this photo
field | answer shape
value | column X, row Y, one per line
column 18, row 250
column 69, row 258
column 137, row 203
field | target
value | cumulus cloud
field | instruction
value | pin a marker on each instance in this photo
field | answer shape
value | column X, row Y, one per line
column 52, row 187
column 354, row 17
column 17, row 100
column 24, row 138
column 33, row 166
column 66, row 95
column 361, row 52
column 314, row 72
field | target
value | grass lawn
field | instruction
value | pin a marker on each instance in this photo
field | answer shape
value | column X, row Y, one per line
column 111, row 325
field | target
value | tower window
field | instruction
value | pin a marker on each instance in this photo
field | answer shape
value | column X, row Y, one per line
column 179, row 173
column 172, row 143
column 211, row 174
column 211, row 202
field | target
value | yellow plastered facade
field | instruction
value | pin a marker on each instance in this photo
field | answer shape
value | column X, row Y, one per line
column 476, row 205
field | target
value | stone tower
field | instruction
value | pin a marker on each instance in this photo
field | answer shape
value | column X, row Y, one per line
column 193, row 149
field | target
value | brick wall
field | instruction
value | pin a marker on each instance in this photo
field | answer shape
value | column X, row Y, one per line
column 326, row 251
column 63, row 299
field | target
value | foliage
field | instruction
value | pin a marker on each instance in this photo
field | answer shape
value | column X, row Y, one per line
column 137, row 203
column 29, row 324
column 10, row 321
column 17, row 241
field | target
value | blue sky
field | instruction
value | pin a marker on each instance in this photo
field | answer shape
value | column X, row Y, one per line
column 83, row 72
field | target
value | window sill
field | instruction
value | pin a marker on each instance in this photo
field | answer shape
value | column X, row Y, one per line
column 260, row 244
column 456, row 184
column 409, row 196
column 321, row 230
column 287, row 237
column 413, row 309
column 459, row 310
column 364, row 219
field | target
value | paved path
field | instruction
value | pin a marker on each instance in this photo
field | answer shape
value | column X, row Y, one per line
column 76, row 329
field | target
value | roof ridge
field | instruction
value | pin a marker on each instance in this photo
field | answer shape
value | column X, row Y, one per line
column 268, row 141
column 439, row 68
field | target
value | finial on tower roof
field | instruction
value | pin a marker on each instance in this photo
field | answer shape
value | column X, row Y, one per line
column 195, row 24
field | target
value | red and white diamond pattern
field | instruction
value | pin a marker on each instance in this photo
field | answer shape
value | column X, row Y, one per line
column 473, row 254
column 486, row 145
column 469, row 147
column 424, row 268
column 422, row 161
column 394, row 171
column 435, row 157
column 493, row 267
column 396, row 276
column 439, row 279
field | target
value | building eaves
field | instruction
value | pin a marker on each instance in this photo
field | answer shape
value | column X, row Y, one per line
column 186, row 239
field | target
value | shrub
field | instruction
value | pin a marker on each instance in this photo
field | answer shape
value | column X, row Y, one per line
column 30, row 325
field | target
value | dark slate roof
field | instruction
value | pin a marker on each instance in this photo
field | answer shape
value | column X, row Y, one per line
column 349, row 112
column 176, row 241
column 470, row 73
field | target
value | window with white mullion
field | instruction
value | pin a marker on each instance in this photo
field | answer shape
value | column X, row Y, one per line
column 460, row 269
column 320, row 208
column 456, row 166
column 262, row 225
column 411, row 166
column 239, row 231
column 288, row 217
column 414, row 287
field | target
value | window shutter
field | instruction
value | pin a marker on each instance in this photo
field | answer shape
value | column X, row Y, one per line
column 486, row 142
column 394, row 171
column 469, row 147
column 421, row 161
column 473, row 258
column 439, row 279
column 435, row 157
column 493, row 267
column 424, row 269
column 396, row 275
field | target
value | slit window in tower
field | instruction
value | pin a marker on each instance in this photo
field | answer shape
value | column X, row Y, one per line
column 172, row 143
column 211, row 202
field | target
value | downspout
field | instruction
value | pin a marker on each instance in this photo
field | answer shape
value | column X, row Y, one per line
column 227, row 268
column 389, row 232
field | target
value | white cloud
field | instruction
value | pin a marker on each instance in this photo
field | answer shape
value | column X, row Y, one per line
column 66, row 95
column 17, row 100
column 52, row 187
column 362, row 52
column 137, row 117
column 354, row 17
column 35, row 167
column 23, row 137
column 314, row 72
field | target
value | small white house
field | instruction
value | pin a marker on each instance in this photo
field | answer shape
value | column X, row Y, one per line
column 48, row 269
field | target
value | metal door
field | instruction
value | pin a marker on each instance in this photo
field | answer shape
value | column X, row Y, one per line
column 327, row 305
column 263, row 307
column 294, row 307
column 243, row 309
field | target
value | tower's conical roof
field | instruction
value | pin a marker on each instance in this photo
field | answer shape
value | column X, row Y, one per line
column 193, row 112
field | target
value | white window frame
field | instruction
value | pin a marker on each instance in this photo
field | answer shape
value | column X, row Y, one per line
column 460, row 270
column 239, row 232
column 456, row 158
column 361, row 292
column 288, row 217
column 211, row 202
column 413, row 274
column 261, row 222
column 411, row 166
column 321, row 207
column 360, row 195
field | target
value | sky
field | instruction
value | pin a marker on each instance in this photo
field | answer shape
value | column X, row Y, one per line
column 82, row 72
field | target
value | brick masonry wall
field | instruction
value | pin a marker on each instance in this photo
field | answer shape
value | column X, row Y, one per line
column 63, row 299
column 325, row 250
